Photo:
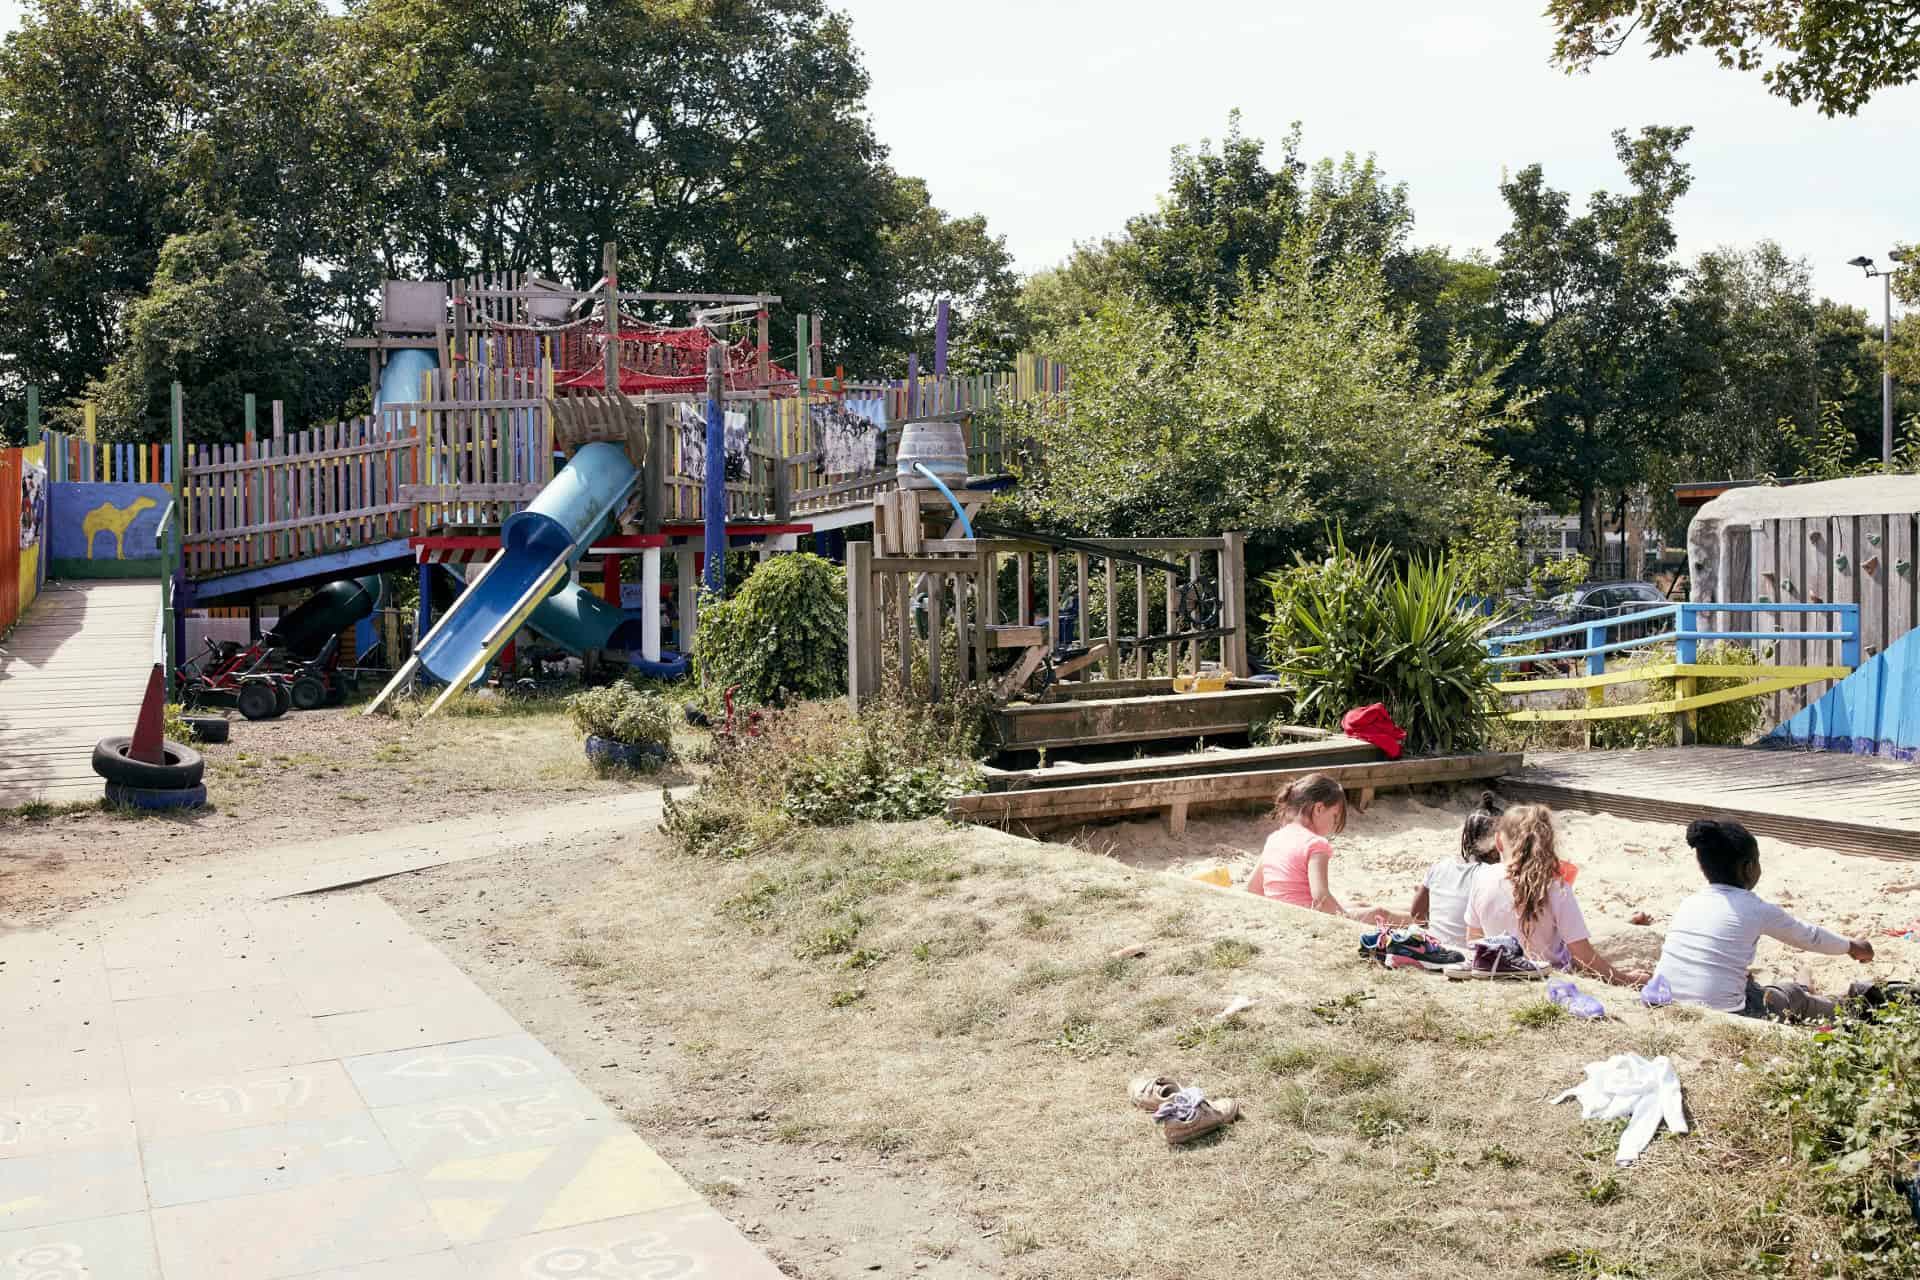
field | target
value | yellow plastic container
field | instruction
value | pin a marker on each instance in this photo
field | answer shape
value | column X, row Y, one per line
column 1201, row 682
column 1218, row 875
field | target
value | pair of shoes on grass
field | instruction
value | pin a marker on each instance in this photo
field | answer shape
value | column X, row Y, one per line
column 1407, row 949
column 1182, row 1114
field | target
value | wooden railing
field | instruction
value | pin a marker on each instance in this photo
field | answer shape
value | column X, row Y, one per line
column 938, row 610
column 1681, row 626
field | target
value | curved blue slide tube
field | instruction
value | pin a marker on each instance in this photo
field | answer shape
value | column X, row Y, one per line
column 537, row 546
column 400, row 380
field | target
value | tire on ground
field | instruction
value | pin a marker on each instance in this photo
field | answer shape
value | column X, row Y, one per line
column 282, row 695
column 258, row 701
column 126, row 797
column 209, row 728
column 181, row 767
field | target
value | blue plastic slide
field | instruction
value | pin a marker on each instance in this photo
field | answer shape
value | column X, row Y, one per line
column 538, row 548
column 400, row 380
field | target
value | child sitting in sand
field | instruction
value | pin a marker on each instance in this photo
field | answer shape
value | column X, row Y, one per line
column 1440, row 903
column 1293, row 865
column 1533, row 902
column 1711, row 942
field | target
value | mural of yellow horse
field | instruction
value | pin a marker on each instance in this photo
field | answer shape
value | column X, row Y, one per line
column 114, row 520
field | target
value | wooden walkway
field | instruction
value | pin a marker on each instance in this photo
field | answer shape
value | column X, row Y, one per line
column 1850, row 804
column 72, row 672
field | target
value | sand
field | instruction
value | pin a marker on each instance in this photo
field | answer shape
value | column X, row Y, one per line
column 1625, row 867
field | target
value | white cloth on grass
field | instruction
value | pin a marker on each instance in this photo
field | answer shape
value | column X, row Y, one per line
column 1628, row 1085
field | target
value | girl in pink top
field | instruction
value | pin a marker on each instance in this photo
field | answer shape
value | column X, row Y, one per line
column 1293, row 866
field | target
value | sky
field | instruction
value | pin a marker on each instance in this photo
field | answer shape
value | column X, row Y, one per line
column 1054, row 118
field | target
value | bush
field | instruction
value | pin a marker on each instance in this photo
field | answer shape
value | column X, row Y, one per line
column 1725, row 724
column 1852, row 1099
column 621, row 713
column 174, row 723
column 814, row 765
column 782, row 635
column 1357, row 629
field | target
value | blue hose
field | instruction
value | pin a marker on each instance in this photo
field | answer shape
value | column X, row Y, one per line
column 939, row 484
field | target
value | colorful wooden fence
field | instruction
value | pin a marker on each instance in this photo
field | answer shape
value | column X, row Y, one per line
column 1683, row 626
column 75, row 458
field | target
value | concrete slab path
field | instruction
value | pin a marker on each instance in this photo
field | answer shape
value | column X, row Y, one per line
column 72, row 671
column 307, row 1088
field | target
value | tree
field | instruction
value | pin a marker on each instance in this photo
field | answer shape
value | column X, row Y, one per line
column 937, row 256
column 212, row 321
column 1587, row 295
column 1835, row 54
column 1302, row 405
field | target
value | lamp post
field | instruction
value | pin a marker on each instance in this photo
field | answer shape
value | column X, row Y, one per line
column 1886, row 347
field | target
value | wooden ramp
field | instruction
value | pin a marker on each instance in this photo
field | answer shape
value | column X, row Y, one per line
column 72, row 672
column 1849, row 804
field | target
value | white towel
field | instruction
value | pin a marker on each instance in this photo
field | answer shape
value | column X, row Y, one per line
column 1627, row 1084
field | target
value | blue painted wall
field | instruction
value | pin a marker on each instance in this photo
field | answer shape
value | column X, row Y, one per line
column 104, row 530
column 1873, row 712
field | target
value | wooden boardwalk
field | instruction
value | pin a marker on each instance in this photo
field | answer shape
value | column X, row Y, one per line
column 1850, row 804
column 71, row 672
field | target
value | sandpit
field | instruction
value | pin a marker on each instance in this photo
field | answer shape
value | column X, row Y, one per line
column 1625, row 867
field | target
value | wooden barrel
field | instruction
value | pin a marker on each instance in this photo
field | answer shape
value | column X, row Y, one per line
column 940, row 446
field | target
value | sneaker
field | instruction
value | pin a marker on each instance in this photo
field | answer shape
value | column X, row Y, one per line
column 1411, row 945
column 1182, row 1124
column 1501, row 954
column 1150, row 1094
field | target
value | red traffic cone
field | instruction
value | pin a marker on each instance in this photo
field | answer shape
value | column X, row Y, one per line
column 147, row 729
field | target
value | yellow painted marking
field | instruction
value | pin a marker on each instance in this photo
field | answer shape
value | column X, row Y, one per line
column 1666, row 708
column 623, row 1176
column 1669, row 670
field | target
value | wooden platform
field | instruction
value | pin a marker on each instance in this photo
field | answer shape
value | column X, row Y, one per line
column 1850, row 804
column 1083, row 717
column 1039, row 809
column 71, row 672
column 1313, row 747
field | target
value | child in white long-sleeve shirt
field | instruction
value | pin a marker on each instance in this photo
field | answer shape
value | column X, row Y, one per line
column 1711, row 942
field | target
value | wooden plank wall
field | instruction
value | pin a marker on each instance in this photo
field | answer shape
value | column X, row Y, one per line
column 1862, row 559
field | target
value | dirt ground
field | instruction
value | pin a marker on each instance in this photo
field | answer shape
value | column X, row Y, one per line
column 303, row 777
column 1626, row 867
column 905, row 1051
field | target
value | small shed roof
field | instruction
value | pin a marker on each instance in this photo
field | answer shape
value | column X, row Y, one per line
column 1858, row 496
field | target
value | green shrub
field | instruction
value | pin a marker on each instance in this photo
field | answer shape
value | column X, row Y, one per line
column 782, row 635
column 1852, row 1099
column 174, row 723
column 621, row 713
column 1357, row 628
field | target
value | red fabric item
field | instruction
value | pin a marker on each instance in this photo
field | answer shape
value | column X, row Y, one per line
column 1373, row 724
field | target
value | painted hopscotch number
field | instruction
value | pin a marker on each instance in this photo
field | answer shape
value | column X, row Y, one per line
column 438, row 1066
column 55, row 1119
column 283, row 1093
column 643, row 1258
column 526, row 1116
column 49, row 1262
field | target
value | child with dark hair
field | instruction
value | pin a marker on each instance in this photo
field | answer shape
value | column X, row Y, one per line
column 1293, row 865
column 1440, row 903
column 1711, row 943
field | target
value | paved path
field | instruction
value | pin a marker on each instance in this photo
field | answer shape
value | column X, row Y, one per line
column 71, row 672
column 307, row 1088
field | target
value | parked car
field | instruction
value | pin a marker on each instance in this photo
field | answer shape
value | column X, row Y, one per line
column 1590, row 603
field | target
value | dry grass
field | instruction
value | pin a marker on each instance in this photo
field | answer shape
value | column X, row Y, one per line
column 952, row 997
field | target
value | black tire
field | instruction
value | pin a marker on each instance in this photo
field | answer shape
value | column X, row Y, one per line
column 337, row 692
column 209, row 728
column 182, row 769
column 126, row 797
column 258, row 701
column 283, row 696
column 308, row 693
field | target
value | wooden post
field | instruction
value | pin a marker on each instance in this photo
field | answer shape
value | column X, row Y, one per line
column 1113, row 624
column 863, row 636
column 650, row 604
column 459, row 319
column 173, row 571
column 33, row 416
column 713, row 506
column 942, row 315
column 1053, row 602
column 659, row 460
column 986, row 610
column 689, row 587
column 764, row 358
column 610, row 266
column 1236, row 648
column 1140, row 620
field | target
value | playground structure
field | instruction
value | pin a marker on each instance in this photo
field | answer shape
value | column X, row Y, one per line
column 509, row 412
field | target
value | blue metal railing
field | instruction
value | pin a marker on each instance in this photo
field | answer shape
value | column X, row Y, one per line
column 1685, row 634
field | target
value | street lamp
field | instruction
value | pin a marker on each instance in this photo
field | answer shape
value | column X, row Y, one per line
column 1886, row 347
